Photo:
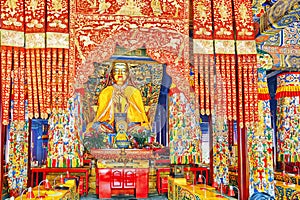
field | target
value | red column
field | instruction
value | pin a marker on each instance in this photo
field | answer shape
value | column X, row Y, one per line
column 243, row 167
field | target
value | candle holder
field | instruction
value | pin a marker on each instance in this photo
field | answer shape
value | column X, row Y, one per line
column 47, row 185
column 61, row 179
column 296, row 169
column 200, row 179
column 29, row 195
column 189, row 177
column 215, row 184
column 231, row 192
column 177, row 171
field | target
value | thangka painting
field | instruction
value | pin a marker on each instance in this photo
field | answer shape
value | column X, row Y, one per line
column 146, row 76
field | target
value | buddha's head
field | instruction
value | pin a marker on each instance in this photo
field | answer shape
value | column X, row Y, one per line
column 120, row 72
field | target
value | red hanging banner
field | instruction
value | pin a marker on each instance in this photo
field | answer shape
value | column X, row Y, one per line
column 6, row 82
column 57, row 30
column 224, row 49
column 246, row 50
column 203, row 45
column 35, row 19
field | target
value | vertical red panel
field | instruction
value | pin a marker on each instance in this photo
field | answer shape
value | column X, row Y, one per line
column 16, row 86
column 22, row 82
column 203, row 45
column 35, row 39
column 48, row 97
column 202, row 20
column 246, row 51
column 243, row 20
column 34, row 83
column 223, row 22
column 44, row 72
column 233, row 82
column 60, row 78
column 201, row 83
column 54, row 82
column 206, row 84
column 58, row 16
column 12, row 16
column 6, row 83
column 66, row 78
column 40, row 89
column 29, row 83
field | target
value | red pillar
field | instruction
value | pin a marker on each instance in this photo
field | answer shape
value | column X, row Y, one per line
column 243, row 167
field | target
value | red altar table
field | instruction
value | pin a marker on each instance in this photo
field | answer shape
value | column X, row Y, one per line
column 45, row 171
column 122, row 180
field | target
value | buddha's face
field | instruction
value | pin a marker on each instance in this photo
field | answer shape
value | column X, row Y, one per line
column 120, row 73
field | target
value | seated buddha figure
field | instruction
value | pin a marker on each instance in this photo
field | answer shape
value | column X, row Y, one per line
column 120, row 102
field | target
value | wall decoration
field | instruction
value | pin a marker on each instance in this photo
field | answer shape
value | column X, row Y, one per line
column 280, row 15
column 203, row 54
column 185, row 133
column 220, row 130
column 165, row 36
column 64, row 146
column 18, row 152
column 162, row 30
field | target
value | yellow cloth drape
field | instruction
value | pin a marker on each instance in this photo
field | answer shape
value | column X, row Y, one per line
column 131, row 99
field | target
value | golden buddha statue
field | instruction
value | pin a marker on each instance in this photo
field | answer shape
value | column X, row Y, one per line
column 120, row 102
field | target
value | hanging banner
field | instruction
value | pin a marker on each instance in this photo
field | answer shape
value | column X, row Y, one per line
column 6, row 60
column 35, row 13
column 225, row 50
column 35, row 34
column 203, row 54
column 247, row 63
column 223, row 100
column 288, row 85
column 288, row 116
column 57, row 30
column 12, row 23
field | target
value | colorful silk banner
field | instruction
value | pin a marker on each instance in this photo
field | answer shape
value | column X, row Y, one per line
column 64, row 147
column 57, row 30
column 288, row 116
column 185, row 139
column 263, row 90
column 35, row 15
column 261, row 142
column 288, row 85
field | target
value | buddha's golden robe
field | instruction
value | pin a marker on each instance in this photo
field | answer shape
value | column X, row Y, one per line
column 126, row 99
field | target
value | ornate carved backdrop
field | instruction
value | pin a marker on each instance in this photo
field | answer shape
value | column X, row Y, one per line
column 162, row 27
column 144, row 75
